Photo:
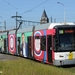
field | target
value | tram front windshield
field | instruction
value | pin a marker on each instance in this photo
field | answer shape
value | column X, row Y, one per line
column 66, row 40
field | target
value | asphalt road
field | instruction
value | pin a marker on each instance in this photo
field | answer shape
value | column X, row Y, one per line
column 4, row 57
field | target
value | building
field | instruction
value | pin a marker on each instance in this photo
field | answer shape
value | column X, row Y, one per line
column 44, row 18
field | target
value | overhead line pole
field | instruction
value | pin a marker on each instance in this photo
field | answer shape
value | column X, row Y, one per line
column 16, row 18
column 17, row 27
column 5, row 25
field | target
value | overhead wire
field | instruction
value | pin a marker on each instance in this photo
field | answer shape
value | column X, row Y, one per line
column 10, row 4
column 35, row 7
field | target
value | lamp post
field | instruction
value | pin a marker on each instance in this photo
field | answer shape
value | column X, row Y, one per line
column 64, row 12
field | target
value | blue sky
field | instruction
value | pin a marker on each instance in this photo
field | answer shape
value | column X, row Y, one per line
column 8, row 8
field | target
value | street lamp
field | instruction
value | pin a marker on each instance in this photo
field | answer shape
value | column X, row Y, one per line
column 64, row 12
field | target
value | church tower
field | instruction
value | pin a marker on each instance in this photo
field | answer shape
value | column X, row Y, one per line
column 44, row 18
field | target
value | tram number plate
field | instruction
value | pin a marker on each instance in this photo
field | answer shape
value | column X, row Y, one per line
column 70, row 57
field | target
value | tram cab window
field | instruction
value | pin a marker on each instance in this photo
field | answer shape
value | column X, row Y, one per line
column 66, row 40
column 67, row 43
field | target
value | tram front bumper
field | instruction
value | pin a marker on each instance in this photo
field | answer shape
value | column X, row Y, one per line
column 63, row 62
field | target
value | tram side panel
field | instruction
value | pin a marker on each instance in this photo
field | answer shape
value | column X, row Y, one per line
column 24, row 45
column 18, row 43
column 40, row 52
column 50, row 45
column 3, row 43
column 43, row 45
column 12, row 44
column 29, row 45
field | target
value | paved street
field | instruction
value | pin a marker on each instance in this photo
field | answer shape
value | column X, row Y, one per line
column 4, row 57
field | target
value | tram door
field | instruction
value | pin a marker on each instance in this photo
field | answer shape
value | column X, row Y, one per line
column 29, row 47
column 49, row 47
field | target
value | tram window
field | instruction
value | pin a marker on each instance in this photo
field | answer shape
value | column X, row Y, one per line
column 18, row 44
column 29, row 41
column 43, row 43
column 5, row 44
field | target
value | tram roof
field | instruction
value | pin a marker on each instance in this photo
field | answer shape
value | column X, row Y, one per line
column 51, row 25
column 28, row 29
column 12, row 32
column 43, row 26
column 3, row 33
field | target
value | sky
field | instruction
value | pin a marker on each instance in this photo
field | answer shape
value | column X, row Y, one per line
column 32, row 10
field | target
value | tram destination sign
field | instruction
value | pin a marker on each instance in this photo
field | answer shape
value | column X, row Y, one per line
column 66, row 31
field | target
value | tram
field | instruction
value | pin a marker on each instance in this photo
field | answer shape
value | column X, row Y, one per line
column 51, row 43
